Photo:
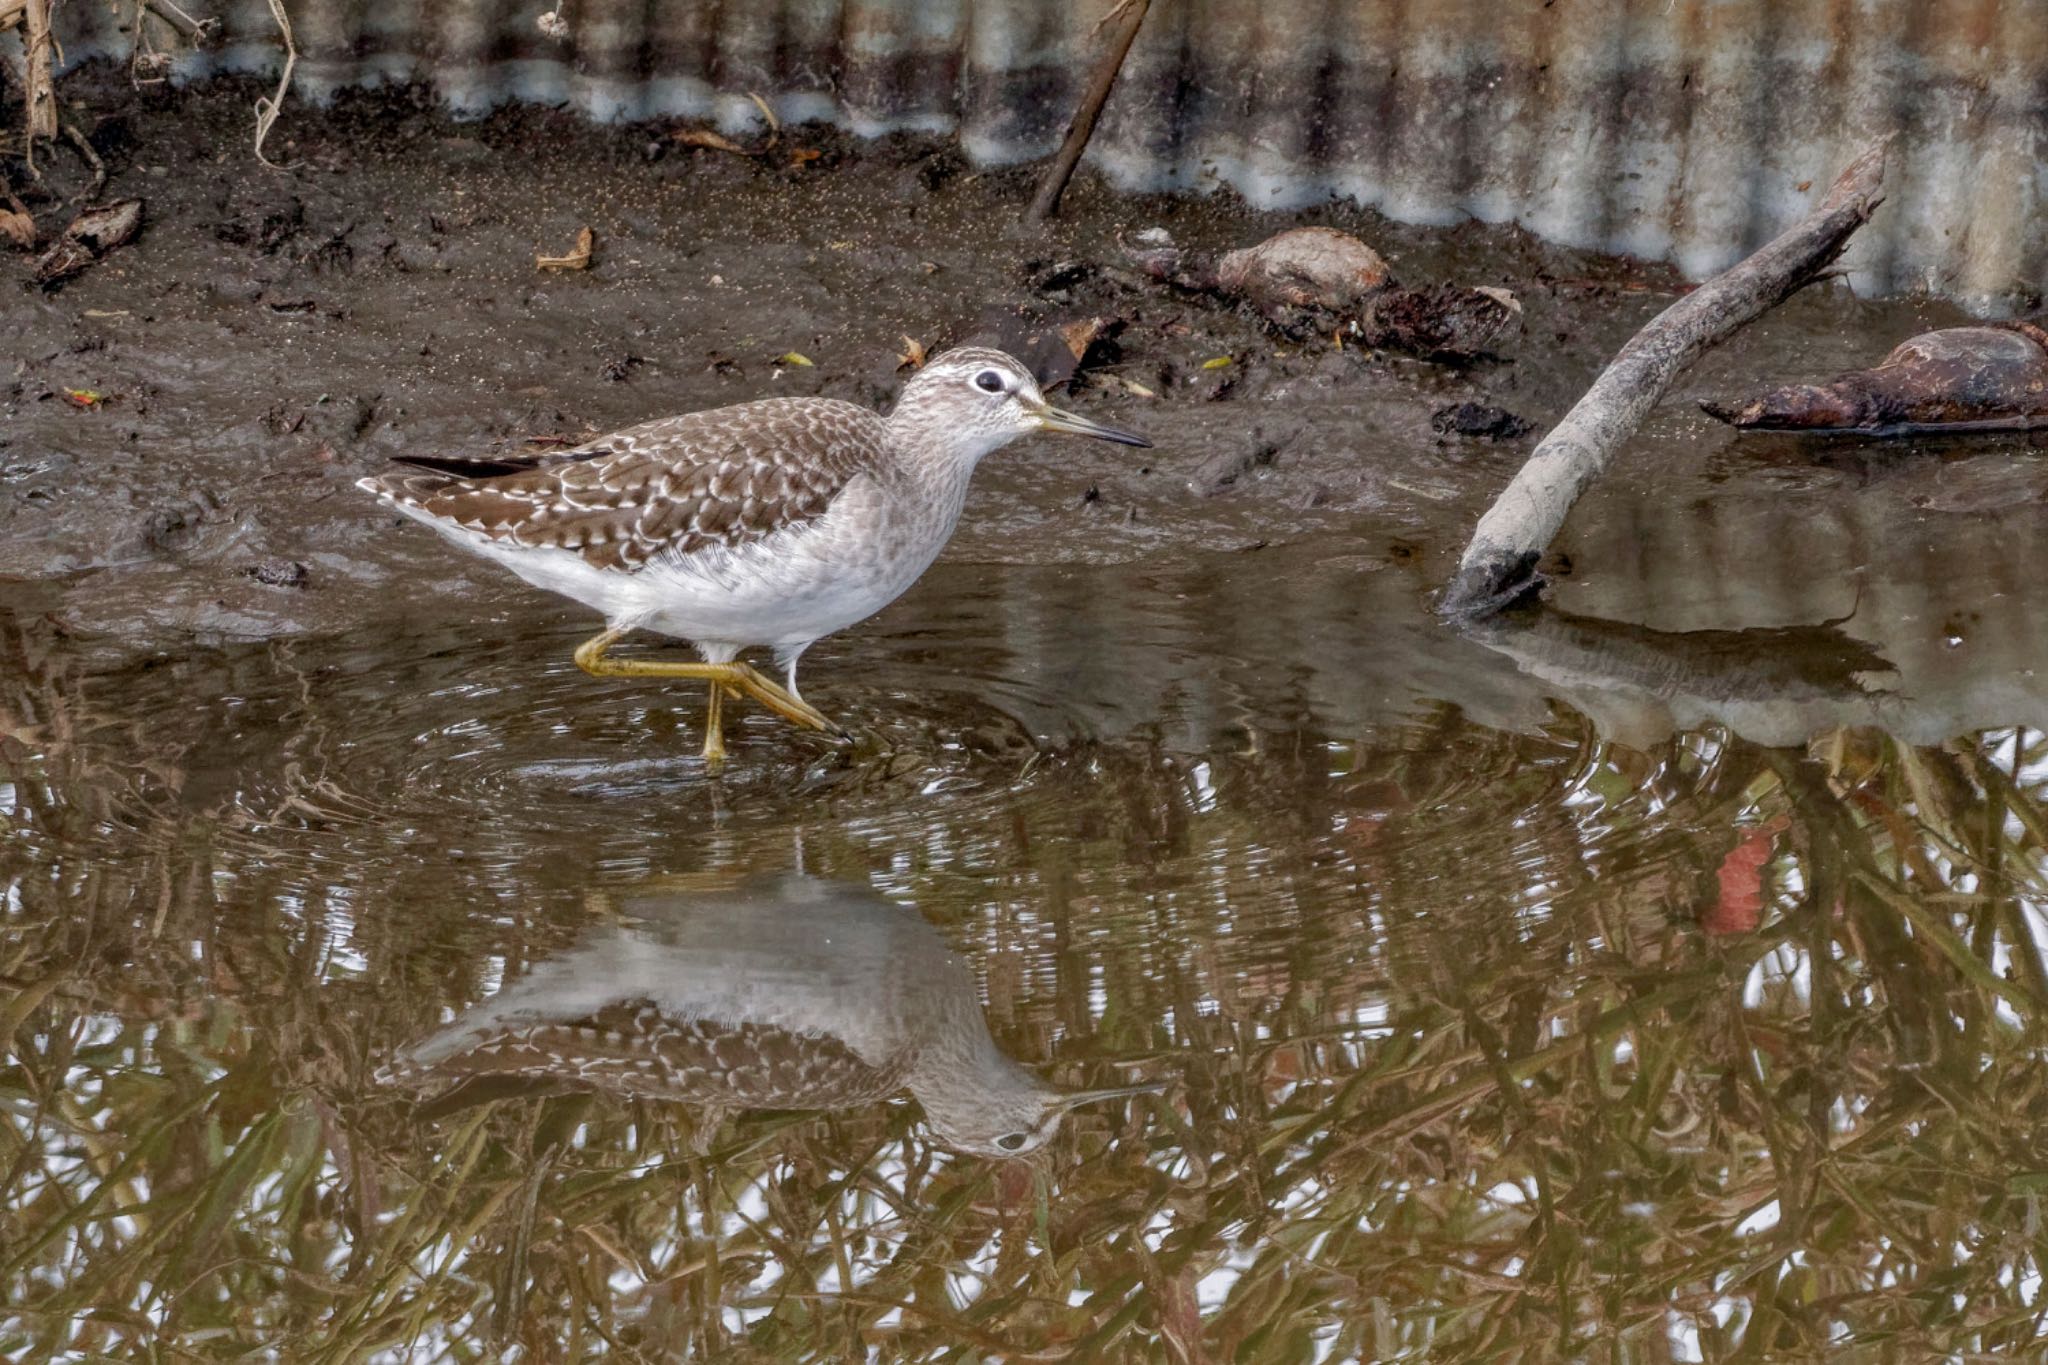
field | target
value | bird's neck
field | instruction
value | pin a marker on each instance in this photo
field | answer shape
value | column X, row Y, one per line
column 937, row 446
column 959, row 1085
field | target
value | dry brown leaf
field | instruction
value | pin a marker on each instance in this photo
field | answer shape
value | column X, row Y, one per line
column 578, row 257
column 704, row 137
column 1079, row 336
column 18, row 228
column 913, row 355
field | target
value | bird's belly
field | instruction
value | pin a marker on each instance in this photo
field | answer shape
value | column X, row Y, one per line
column 789, row 589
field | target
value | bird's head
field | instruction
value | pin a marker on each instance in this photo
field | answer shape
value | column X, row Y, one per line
column 972, row 401
column 1021, row 1122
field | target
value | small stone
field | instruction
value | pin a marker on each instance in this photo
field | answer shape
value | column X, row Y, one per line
column 1479, row 420
column 278, row 573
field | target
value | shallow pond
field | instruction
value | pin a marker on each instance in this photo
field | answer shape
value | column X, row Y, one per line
column 1490, row 1035
column 1658, row 976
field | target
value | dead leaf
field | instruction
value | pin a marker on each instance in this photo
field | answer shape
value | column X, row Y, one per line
column 804, row 156
column 704, row 137
column 18, row 228
column 85, row 398
column 796, row 358
column 1079, row 336
column 913, row 355
column 578, row 257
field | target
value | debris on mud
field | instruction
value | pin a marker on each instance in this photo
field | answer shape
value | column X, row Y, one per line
column 708, row 140
column 712, row 141
column 90, row 237
column 1315, row 281
column 1480, row 420
column 578, row 257
column 1988, row 378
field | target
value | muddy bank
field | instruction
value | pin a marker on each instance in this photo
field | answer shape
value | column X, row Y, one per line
column 270, row 337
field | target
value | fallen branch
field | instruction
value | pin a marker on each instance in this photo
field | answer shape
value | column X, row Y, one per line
column 1499, row 566
column 1047, row 201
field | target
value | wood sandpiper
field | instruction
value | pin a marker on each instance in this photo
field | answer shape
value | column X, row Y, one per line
column 769, row 523
column 782, row 993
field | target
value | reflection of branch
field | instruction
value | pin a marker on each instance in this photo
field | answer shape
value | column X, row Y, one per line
column 1780, row 663
column 1498, row 566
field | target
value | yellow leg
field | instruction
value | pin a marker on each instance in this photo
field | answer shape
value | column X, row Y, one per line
column 714, row 729
column 737, row 678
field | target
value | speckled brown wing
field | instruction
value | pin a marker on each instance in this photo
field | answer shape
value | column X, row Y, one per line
column 631, row 1048
column 669, row 487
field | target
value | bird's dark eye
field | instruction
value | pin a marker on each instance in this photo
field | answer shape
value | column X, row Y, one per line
column 988, row 381
column 1009, row 1142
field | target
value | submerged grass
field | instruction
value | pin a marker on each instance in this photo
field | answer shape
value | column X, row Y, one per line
column 1490, row 1049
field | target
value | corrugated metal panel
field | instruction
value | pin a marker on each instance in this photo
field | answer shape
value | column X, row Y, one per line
column 1686, row 130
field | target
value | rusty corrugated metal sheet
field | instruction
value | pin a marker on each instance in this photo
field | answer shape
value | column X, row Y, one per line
column 1685, row 130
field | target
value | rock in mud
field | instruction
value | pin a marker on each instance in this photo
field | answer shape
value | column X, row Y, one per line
column 1312, row 270
column 1314, row 281
column 91, row 235
column 1962, row 378
column 1481, row 420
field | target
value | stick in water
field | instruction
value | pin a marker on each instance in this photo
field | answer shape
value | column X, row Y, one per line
column 1499, row 565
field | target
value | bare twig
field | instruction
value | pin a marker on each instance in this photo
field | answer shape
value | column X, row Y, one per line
column 193, row 31
column 1047, row 201
column 91, row 159
column 39, row 51
column 11, row 12
column 1498, row 566
column 268, row 109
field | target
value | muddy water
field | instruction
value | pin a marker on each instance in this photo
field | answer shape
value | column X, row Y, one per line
column 1655, row 977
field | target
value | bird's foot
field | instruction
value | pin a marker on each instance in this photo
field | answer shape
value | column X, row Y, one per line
column 785, row 703
column 734, row 679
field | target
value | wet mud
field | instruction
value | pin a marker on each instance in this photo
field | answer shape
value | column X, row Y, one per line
column 272, row 337
column 1657, row 975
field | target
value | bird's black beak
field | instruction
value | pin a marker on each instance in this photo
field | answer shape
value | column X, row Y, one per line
column 1051, row 418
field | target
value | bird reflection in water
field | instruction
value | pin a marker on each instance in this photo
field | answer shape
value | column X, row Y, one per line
column 784, row 993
